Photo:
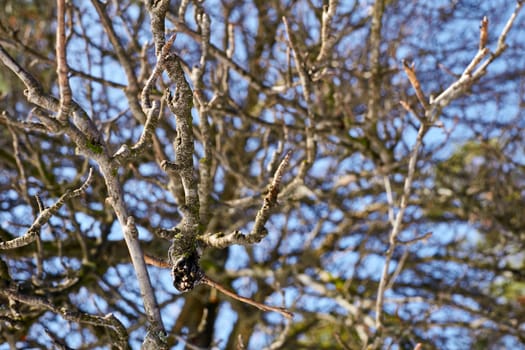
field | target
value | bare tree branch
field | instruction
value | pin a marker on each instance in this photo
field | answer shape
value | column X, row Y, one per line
column 109, row 320
column 432, row 113
column 263, row 307
column 44, row 217
column 62, row 67
column 259, row 231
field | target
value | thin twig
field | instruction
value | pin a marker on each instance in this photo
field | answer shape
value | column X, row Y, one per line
column 399, row 267
column 44, row 217
column 132, row 89
column 389, row 198
column 281, row 338
column 340, row 341
column 306, row 84
column 417, row 239
column 18, row 159
column 154, row 261
column 259, row 231
column 326, row 30
column 375, row 65
column 411, row 73
column 432, row 113
column 29, row 81
column 483, row 33
column 206, row 280
column 396, row 227
column 85, row 134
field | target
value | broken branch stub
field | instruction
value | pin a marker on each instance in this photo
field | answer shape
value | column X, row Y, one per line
column 184, row 261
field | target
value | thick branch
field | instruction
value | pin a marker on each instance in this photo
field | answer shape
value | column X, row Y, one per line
column 180, row 105
column 130, row 232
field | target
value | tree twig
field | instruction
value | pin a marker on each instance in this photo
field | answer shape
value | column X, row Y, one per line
column 259, row 231
column 44, row 216
column 68, row 313
column 206, row 280
column 154, row 261
column 326, row 32
column 431, row 114
column 306, row 84
column 411, row 73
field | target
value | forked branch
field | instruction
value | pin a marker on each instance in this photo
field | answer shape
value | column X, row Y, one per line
column 44, row 217
column 208, row 281
column 259, row 231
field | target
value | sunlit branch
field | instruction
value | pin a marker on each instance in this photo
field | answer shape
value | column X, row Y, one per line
column 411, row 73
column 432, row 113
column 259, row 231
column 180, row 104
column 205, row 175
column 127, row 223
column 470, row 75
column 62, row 68
column 152, row 118
column 326, row 32
column 44, row 217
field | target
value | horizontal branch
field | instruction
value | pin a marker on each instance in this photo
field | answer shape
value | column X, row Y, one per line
column 67, row 312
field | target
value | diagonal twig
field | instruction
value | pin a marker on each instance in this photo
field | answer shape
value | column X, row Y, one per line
column 410, row 71
column 208, row 281
column 259, row 231
column 44, row 217
column 326, row 39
